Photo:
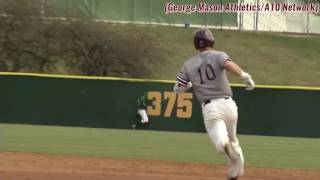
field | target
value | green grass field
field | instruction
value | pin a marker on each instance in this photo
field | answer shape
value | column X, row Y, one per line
column 261, row 151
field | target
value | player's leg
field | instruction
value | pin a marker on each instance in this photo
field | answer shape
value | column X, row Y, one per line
column 218, row 135
column 143, row 115
column 215, row 126
column 217, row 131
column 236, row 165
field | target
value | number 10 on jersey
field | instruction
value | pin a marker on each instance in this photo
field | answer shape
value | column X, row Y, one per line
column 182, row 101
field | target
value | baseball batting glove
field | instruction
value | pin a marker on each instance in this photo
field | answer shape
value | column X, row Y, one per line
column 247, row 79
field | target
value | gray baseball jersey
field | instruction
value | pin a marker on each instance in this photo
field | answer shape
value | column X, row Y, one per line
column 207, row 74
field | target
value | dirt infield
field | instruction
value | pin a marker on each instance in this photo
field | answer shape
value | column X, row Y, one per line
column 31, row 166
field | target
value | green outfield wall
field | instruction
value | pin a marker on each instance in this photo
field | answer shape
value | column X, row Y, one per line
column 147, row 11
column 112, row 103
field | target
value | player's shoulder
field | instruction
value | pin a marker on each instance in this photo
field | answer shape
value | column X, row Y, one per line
column 222, row 55
column 191, row 60
column 217, row 52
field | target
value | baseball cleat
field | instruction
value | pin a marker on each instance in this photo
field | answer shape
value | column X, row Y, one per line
column 233, row 178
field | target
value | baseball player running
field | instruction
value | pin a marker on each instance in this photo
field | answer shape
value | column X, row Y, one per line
column 206, row 73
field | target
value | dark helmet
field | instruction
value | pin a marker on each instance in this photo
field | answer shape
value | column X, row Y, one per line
column 203, row 38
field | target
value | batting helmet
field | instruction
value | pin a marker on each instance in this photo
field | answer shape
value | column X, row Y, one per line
column 203, row 38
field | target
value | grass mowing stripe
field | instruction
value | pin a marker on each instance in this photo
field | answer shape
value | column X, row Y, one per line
column 282, row 151
column 188, row 147
column 106, row 142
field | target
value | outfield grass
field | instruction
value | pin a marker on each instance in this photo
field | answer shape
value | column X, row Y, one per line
column 186, row 147
column 271, row 58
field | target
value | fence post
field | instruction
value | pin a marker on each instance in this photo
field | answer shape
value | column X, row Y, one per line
column 308, row 23
column 134, row 11
column 42, row 11
column 205, row 20
column 308, row 20
column 150, row 15
column 221, row 20
column 240, row 16
column 68, row 8
column 257, row 17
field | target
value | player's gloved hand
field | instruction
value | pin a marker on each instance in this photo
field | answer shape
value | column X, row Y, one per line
column 247, row 79
column 189, row 85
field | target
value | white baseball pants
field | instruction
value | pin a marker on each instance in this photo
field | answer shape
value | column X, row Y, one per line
column 143, row 115
column 220, row 119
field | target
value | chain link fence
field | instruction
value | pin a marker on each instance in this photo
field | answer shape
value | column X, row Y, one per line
column 153, row 12
column 280, row 21
column 141, row 11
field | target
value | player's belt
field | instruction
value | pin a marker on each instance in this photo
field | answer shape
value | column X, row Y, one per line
column 209, row 101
